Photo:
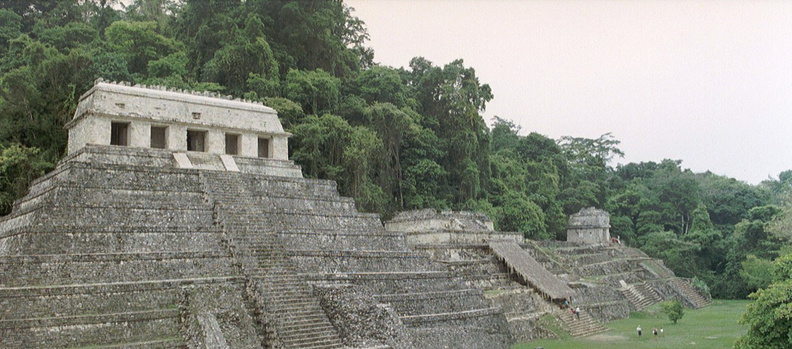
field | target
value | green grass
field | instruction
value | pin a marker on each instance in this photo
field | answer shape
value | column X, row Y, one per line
column 713, row 327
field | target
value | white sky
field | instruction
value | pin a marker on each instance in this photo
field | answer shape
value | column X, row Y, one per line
column 707, row 82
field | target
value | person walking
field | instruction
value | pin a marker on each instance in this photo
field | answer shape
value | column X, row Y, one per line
column 577, row 313
column 654, row 332
column 662, row 333
column 639, row 331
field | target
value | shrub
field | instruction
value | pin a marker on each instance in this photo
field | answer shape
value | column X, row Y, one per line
column 672, row 309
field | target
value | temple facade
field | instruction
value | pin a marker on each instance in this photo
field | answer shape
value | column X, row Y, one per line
column 192, row 122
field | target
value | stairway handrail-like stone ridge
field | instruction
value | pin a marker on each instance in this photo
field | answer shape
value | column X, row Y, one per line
column 530, row 270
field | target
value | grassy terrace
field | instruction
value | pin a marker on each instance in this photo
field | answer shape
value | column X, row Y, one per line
column 713, row 327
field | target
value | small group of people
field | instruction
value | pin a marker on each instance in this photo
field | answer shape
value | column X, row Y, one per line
column 654, row 332
column 575, row 310
column 616, row 240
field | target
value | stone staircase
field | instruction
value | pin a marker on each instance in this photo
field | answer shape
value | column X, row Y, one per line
column 640, row 295
column 585, row 326
column 289, row 233
column 685, row 287
column 277, row 287
column 523, row 264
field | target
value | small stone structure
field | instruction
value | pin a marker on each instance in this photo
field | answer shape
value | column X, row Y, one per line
column 589, row 226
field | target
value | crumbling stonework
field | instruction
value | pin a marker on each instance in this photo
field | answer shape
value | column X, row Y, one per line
column 215, row 317
column 428, row 226
column 361, row 321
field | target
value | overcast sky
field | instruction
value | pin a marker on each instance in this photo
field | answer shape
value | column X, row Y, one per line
column 706, row 82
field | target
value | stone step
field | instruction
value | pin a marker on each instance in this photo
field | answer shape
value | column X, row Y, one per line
column 168, row 343
column 297, row 324
column 95, row 330
column 296, row 330
column 585, row 326
column 54, row 321
column 58, row 305
column 418, row 319
column 83, row 272
column 315, row 343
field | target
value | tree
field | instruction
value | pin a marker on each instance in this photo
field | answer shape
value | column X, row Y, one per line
column 317, row 91
column 390, row 124
column 504, row 134
column 520, row 214
column 769, row 317
column 450, row 99
column 756, row 272
column 676, row 253
column 245, row 64
column 140, row 43
column 19, row 165
column 672, row 309
column 781, row 226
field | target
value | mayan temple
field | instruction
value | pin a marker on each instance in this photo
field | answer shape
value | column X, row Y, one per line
column 177, row 220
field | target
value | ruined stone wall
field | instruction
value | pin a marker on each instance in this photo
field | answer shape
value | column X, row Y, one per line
column 361, row 320
column 215, row 317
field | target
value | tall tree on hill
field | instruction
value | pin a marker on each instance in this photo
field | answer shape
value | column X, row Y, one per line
column 451, row 98
column 585, row 184
column 246, row 64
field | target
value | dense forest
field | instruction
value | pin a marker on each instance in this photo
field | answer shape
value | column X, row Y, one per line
column 393, row 138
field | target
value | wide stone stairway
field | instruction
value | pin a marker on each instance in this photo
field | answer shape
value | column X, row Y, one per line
column 521, row 263
column 292, row 233
column 586, row 325
column 287, row 305
column 640, row 295
column 685, row 287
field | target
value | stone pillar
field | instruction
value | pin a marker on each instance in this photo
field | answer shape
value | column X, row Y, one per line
column 140, row 134
column 177, row 138
column 215, row 142
column 249, row 145
column 279, row 148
